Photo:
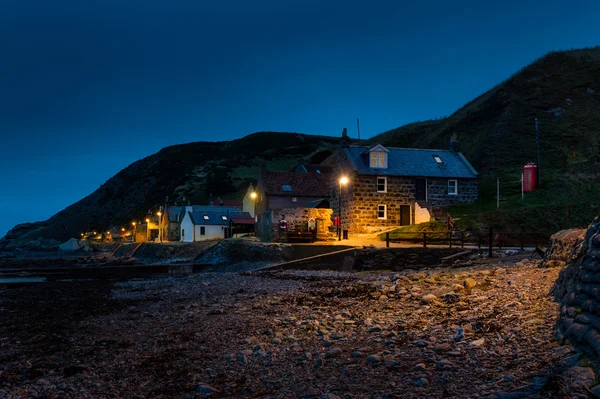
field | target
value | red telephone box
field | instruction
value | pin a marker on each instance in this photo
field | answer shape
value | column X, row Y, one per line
column 529, row 176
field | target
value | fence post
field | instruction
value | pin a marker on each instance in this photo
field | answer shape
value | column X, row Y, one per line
column 424, row 240
column 491, row 243
column 387, row 240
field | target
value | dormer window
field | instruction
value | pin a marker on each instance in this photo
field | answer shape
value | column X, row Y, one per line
column 286, row 188
column 378, row 159
column 378, row 156
column 438, row 159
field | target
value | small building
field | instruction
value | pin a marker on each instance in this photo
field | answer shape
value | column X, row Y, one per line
column 390, row 187
column 209, row 224
column 282, row 190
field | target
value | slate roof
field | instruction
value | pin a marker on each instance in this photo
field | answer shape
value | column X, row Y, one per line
column 312, row 168
column 413, row 162
column 215, row 217
column 301, row 184
column 175, row 213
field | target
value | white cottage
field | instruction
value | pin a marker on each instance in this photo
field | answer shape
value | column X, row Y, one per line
column 201, row 225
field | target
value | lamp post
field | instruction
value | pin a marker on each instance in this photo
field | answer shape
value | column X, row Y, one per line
column 343, row 180
column 253, row 196
column 159, row 226
column 133, row 238
column 147, row 229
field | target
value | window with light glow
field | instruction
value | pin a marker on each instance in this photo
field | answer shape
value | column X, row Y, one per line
column 205, row 217
column 294, row 199
column 438, row 159
column 224, row 217
column 286, row 188
column 378, row 159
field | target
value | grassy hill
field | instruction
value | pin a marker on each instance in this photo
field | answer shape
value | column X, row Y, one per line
column 496, row 131
column 497, row 134
column 193, row 171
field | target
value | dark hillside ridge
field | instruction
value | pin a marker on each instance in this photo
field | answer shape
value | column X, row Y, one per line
column 193, row 170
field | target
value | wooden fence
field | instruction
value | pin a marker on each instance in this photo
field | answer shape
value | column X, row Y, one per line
column 489, row 238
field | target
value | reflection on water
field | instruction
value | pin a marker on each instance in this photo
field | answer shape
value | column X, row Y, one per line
column 22, row 280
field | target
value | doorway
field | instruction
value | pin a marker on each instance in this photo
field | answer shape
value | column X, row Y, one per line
column 404, row 215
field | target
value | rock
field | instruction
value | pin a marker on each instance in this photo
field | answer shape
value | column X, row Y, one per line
column 430, row 281
column 319, row 363
column 444, row 365
column 276, row 340
column 469, row 283
column 499, row 271
column 356, row 354
column 509, row 378
column 420, row 367
column 308, row 356
column 439, row 348
column 582, row 375
column 375, row 328
column 383, row 298
column 429, row 298
column 457, row 288
column 373, row 358
column 205, row 389
column 389, row 360
column 333, row 352
column 246, row 352
column 477, row 343
column 337, row 335
column 422, row 382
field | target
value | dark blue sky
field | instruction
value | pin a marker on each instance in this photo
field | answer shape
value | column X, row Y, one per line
column 88, row 87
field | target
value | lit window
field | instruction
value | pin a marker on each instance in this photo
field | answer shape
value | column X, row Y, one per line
column 452, row 187
column 224, row 217
column 382, row 184
column 381, row 212
column 205, row 217
column 378, row 159
column 294, row 199
column 286, row 188
column 438, row 159
column 318, row 171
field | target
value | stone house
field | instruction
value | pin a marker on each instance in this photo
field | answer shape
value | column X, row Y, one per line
column 281, row 190
column 390, row 187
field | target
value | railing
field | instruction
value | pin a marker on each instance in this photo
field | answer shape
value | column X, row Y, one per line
column 489, row 238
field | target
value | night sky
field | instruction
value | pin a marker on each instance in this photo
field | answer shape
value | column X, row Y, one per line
column 88, row 86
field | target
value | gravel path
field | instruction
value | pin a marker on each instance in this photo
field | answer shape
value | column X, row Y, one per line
column 479, row 332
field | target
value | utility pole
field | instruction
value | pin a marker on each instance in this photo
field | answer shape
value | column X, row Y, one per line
column 537, row 143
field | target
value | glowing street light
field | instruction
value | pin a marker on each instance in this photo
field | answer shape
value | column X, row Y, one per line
column 253, row 195
column 159, row 213
column 343, row 181
column 134, row 230
column 147, row 229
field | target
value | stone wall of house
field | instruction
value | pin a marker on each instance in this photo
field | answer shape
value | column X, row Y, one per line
column 437, row 191
column 577, row 289
column 298, row 219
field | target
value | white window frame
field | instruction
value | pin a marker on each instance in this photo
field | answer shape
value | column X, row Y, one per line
column 294, row 199
column 384, row 184
column 384, row 211
column 378, row 159
column 455, row 187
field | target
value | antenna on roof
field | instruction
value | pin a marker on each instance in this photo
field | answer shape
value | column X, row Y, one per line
column 358, row 127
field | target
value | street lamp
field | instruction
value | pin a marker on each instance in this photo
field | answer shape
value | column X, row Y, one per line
column 133, row 238
column 343, row 181
column 253, row 196
column 147, row 229
column 159, row 213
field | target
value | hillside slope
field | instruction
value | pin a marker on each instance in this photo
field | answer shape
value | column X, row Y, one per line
column 497, row 134
column 193, row 171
